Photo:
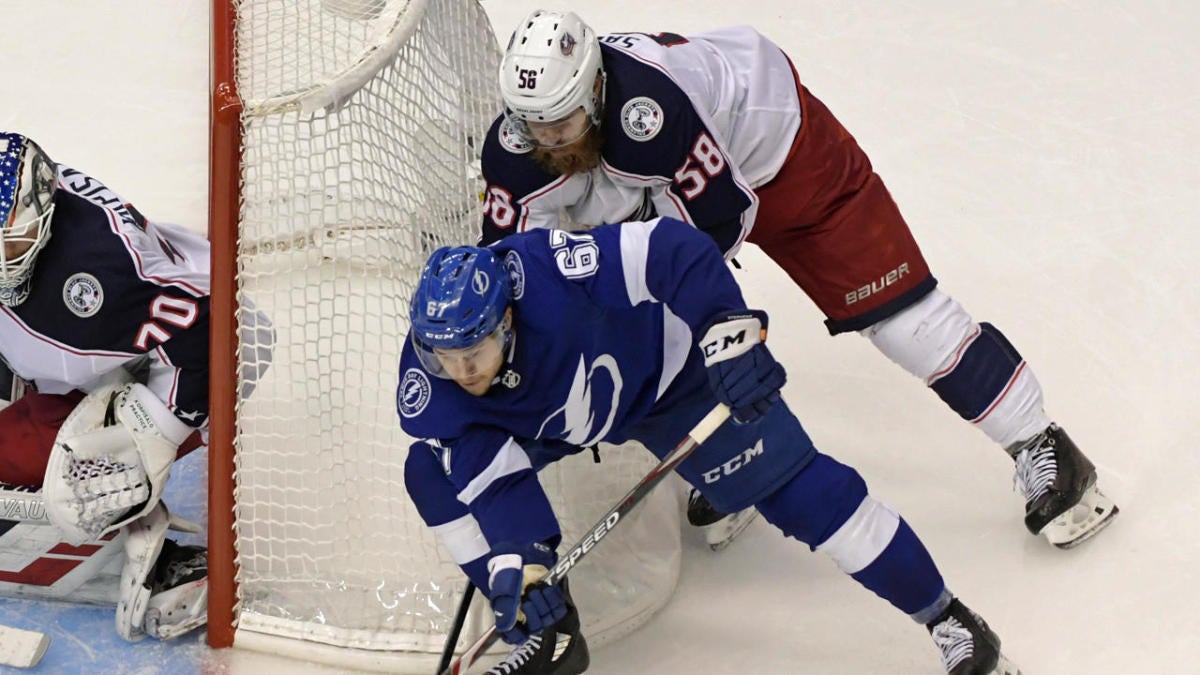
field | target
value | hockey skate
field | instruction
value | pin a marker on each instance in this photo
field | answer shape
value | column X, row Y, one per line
column 179, row 591
column 967, row 645
column 1058, row 482
column 720, row 529
column 559, row 650
column 163, row 590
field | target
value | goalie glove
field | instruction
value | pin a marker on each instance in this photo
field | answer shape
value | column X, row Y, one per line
column 741, row 370
column 110, row 462
column 522, row 607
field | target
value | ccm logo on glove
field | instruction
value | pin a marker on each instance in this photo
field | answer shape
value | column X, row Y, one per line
column 733, row 336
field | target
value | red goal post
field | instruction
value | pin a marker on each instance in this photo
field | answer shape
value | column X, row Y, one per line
column 344, row 147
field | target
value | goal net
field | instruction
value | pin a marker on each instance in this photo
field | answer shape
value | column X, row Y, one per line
column 345, row 141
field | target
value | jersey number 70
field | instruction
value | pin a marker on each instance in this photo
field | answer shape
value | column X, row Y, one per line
column 178, row 312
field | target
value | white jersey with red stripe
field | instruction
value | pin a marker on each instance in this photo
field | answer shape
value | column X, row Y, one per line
column 692, row 124
column 112, row 289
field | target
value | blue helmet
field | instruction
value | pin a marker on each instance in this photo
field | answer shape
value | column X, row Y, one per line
column 459, row 301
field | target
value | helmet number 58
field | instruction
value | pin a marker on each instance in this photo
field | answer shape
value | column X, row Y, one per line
column 527, row 79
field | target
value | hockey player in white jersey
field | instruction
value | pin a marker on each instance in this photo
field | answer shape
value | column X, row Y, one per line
column 104, row 336
column 548, row 341
column 716, row 129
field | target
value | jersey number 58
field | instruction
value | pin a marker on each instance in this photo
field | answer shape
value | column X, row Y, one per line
column 705, row 161
column 498, row 206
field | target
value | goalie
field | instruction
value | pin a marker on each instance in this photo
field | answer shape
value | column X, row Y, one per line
column 104, row 336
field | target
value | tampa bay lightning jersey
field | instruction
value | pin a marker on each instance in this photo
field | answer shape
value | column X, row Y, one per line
column 113, row 289
column 603, row 324
column 691, row 125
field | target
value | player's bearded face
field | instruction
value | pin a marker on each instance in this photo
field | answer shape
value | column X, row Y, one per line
column 568, row 146
column 474, row 367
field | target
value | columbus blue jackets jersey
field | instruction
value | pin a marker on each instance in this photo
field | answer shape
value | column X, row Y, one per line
column 112, row 289
column 603, row 326
column 691, row 125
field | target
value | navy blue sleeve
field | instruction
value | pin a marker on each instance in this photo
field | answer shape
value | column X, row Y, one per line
column 188, row 352
column 511, row 176
column 682, row 152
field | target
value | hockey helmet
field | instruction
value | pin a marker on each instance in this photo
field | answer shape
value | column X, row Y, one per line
column 27, row 182
column 460, row 301
column 550, row 68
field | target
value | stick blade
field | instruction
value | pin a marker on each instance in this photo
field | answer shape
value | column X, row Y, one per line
column 22, row 648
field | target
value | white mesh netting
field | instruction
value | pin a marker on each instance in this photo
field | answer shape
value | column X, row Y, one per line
column 362, row 127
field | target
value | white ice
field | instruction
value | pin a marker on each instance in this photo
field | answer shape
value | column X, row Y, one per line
column 1045, row 155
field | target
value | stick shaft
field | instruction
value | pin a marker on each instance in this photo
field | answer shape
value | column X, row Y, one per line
column 695, row 437
column 460, row 618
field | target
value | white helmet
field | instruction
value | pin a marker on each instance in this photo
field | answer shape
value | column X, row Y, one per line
column 27, row 182
column 550, row 68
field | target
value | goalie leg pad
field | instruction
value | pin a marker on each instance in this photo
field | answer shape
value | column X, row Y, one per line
column 143, row 543
column 178, row 610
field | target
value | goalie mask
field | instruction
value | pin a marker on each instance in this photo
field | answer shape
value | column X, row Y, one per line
column 459, row 316
column 27, row 182
column 550, row 70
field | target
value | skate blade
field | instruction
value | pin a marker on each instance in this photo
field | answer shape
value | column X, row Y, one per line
column 1089, row 517
column 1005, row 667
column 721, row 534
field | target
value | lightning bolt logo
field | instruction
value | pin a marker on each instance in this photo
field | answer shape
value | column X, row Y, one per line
column 413, row 393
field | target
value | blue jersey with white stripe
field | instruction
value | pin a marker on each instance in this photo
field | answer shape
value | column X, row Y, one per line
column 603, row 325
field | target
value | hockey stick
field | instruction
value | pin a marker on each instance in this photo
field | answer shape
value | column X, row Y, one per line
column 21, row 648
column 460, row 618
column 695, row 437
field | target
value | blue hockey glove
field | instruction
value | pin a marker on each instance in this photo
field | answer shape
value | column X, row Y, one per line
column 522, row 607
column 741, row 370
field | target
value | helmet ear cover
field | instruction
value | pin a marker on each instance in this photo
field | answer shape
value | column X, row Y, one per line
column 28, row 181
column 461, row 299
column 551, row 68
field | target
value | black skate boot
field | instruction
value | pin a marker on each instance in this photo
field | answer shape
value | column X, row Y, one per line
column 179, row 591
column 1059, row 486
column 720, row 529
column 968, row 646
column 559, row 650
column 178, row 565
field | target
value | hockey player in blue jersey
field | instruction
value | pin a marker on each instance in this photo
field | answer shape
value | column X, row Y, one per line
column 716, row 129
column 104, row 380
column 548, row 341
